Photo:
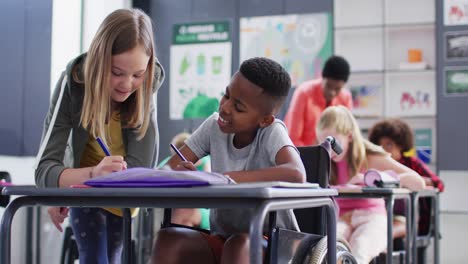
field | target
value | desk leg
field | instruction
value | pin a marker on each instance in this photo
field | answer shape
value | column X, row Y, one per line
column 256, row 229
column 389, row 206
column 436, row 229
column 127, row 236
column 331, row 233
column 410, row 228
column 5, row 227
column 414, row 215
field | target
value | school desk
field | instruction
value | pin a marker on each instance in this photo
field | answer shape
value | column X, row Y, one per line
column 261, row 199
column 389, row 195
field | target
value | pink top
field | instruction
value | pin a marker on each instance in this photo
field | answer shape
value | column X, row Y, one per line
column 307, row 104
column 376, row 205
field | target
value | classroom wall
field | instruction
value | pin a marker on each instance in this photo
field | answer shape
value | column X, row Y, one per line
column 452, row 145
column 452, row 125
column 24, row 73
column 165, row 13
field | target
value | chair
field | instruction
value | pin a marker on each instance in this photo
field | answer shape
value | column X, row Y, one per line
column 69, row 248
column 310, row 243
column 312, row 222
column 316, row 161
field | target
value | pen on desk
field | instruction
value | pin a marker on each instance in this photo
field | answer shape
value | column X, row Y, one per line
column 178, row 152
column 103, row 146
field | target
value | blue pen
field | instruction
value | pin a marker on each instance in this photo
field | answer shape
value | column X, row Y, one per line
column 103, row 146
column 178, row 152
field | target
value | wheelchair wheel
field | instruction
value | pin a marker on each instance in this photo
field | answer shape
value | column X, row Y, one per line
column 317, row 253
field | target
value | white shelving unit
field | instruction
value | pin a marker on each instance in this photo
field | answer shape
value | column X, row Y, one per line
column 375, row 36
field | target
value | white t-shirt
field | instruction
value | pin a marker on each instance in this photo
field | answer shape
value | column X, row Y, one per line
column 208, row 139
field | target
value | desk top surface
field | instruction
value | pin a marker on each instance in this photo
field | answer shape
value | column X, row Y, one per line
column 219, row 191
column 384, row 191
column 373, row 190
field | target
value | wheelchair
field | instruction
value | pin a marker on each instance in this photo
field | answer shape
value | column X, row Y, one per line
column 308, row 244
column 312, row 248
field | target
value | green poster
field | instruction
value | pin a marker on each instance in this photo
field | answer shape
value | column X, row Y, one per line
column 456, row 81
column 200, row 68
column 423, row 144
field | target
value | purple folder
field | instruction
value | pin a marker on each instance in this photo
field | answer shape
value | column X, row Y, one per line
column 144, row 177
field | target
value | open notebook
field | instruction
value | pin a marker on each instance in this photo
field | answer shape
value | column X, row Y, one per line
column 144, row 177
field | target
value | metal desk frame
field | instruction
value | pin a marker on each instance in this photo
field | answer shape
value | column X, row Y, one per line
column 389, row 195
column 262, row 200
column 433, row 194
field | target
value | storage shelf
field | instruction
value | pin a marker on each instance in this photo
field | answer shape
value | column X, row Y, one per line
column 350, row 27
column 375, row 36
column 358, row 12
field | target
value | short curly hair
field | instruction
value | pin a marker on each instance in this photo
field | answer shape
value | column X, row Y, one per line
column 270, row 76
column 336, row 68
column 394, row 129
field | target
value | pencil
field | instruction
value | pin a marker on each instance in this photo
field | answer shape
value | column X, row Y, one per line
column 178, row 152
column 103, row 146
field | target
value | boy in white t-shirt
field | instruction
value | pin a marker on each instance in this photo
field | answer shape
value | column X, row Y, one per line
column 247, row 143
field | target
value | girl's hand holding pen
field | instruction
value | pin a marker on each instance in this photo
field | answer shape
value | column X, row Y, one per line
column 109, row 164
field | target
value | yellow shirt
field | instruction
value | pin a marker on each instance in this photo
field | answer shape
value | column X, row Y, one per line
column 93, row 154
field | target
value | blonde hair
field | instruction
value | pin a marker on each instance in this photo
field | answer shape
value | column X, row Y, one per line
column 121, row 31
column 343, row 121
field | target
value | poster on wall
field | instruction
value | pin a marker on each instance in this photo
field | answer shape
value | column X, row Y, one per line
column 300, row 43
column 411, row 95
column 367, row 92
column 367, row 100
column 200, row 68
column 456, row 45
column 455, row 12
column 456, row 81
column 423, row 144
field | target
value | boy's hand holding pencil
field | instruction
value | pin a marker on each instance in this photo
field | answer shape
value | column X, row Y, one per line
column 184, row 164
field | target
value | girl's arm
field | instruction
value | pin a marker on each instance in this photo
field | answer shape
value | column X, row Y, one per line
column 71, row 176
column 408, row 177
column 288, row 168
column 54, row 137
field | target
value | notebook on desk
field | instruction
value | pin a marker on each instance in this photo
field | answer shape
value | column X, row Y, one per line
column 144, row 177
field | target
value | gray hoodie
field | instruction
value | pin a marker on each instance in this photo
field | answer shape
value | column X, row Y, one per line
column 64, row 139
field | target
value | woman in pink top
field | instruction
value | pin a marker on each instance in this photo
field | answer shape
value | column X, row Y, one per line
column 362, row 222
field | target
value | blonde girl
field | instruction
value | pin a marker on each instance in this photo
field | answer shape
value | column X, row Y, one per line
column 107, row 93
column 362, row 222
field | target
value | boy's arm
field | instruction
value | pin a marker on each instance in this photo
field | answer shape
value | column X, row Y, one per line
column 188, row 154
column 289, row 168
